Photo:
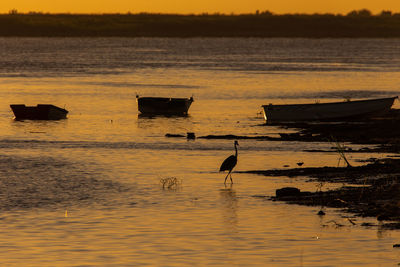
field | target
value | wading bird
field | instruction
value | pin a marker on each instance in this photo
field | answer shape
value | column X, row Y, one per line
column 229, row 163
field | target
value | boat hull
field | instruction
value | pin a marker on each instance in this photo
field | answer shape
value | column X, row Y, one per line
column 164, row 106
column 39, row 112
column 336, row 111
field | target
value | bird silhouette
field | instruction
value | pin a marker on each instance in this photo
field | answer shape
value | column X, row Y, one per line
column 229, row 163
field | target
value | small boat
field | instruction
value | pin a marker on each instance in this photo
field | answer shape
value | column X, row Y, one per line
column 39, row 112
column 334, row 111
column 163, row 105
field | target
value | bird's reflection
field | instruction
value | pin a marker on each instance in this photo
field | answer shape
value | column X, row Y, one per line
column 229, row 206
column 383, row 231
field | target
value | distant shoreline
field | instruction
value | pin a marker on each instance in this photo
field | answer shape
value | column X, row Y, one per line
column 263, row 25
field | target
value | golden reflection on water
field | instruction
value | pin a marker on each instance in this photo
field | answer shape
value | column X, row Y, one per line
column 229, row 206
column 117, row 158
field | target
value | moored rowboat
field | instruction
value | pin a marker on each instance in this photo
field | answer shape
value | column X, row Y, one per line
column 39, row 112
column 334, row 111
column 164, row 105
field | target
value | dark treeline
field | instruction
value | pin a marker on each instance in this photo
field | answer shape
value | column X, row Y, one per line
column 260, row 24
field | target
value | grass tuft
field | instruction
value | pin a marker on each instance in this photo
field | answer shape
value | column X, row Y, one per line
column 170, row 183
column 341, row 150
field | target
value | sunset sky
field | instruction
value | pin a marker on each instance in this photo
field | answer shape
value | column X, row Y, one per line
column 198, row 6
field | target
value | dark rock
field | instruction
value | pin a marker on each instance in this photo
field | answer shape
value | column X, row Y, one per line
column 174, row 135
column 231, row 136
column 191, row 136
column 287, row 191
column 367, row 224
column 383, row 217
column 321, row 213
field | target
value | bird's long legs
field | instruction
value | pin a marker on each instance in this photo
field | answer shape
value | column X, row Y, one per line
column 226, row 177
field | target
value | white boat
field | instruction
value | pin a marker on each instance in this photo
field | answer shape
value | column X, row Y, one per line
column 334, row 111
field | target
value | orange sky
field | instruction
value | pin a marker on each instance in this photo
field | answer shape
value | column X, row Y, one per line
column 198, row 6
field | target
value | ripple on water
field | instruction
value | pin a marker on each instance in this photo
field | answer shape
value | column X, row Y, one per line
column 36, row 182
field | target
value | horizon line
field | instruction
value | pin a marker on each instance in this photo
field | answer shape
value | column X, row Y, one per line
column 361, row 11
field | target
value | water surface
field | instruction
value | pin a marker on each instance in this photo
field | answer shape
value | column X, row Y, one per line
column 85, row 191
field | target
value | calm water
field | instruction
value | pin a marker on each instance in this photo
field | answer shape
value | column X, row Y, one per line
column 86, row 191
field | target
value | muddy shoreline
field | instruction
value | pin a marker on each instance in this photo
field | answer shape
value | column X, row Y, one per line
column 369, row 190
column 372, row 189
